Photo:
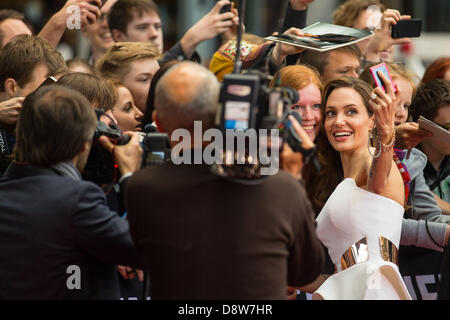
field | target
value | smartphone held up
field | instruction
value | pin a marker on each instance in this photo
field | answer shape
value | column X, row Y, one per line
column 382, row 67
column 407, row 29
column 96, row 4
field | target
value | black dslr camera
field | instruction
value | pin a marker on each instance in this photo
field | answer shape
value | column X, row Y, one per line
column 100, row 166
column 156, row 148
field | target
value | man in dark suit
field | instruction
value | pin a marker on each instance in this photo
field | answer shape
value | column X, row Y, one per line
column 58, row 239
column 206, row 237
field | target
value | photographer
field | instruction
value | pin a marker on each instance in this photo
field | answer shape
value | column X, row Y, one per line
column 219, row 239
column 59, row 239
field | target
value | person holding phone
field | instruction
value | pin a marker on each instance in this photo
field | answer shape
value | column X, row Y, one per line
column 415, row 160
column 304, row 79
column 357, row 185
column 98, row 33
column 140, row 20
column 54, row 29
column 372, row 15
column 422, row 206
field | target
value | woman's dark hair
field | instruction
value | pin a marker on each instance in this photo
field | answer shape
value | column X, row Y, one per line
column 437, row 69
column 320, row 185
column 151, row 91
column 430, row 96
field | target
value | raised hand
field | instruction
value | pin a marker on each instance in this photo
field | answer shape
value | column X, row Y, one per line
column 10, row 110
column 382, row 41
column 384, row 105
column 208, row 27
column 390, row 18
column 232, row 32
column 89, row 12
column 75, row 14
column 409, row 135
column 281, row 51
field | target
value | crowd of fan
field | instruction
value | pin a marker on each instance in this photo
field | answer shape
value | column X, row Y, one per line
column 139, row 85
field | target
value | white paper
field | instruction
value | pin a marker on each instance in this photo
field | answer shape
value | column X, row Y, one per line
column 437, row 131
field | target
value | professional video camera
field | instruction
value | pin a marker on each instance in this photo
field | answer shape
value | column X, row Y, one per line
column 248, row 102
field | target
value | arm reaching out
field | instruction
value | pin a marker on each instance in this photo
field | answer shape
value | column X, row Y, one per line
column 211, row 25
column 382, row 40
column 383, row 105
column 67, row 16
column 281, row 51
column 409, row 135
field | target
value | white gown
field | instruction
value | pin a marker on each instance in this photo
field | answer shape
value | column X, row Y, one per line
column 351, row 214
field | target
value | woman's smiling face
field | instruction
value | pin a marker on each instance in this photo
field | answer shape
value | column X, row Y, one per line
column 309, row 108
column 347, row 122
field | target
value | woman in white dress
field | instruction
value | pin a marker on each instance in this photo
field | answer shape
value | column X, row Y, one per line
column 360, row 223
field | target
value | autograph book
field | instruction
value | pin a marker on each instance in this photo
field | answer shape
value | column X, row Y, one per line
column 323, row 37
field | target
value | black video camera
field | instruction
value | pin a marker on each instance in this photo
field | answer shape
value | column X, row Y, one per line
column 248, row 102
column 100, row 166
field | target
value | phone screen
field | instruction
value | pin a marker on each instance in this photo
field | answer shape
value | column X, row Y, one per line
column 383, row 68
column 95, row 3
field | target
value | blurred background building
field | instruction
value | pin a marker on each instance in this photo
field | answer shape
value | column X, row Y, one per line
column 263, row 17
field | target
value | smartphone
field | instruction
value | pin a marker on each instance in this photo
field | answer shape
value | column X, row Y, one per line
column 383, row 68
column 407, row 28
column 226, row 8
column 95, row 3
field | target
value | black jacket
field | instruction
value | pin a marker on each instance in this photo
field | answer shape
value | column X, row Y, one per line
column 49, row 223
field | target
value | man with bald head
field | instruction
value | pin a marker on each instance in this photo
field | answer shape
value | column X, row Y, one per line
column 205, row 237
column 182, row 98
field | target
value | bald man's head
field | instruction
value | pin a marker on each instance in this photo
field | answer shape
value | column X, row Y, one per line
column 188, row 92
